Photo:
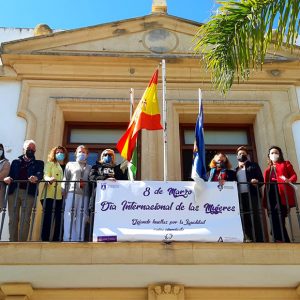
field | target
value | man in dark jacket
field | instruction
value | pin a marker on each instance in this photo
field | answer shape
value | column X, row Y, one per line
column 250, row 174
column 27, row 171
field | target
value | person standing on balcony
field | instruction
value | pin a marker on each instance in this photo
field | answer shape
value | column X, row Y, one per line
column 4, row 171
column 76, row 189
column 220, row 170
column 22, row 194
column 250, row 196
column 279, row 194
column 105, row 169
column 52, row 193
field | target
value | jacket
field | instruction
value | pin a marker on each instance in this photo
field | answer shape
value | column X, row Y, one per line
column 253, row 171
column 74, row 173
column 4, row 168
column 35, row 168
column 4, row 171
column 53, row 169
column 228, row 175
column 286, row 191
column 102, row 171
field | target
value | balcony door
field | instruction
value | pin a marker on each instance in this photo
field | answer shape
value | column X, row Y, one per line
column 217, row 138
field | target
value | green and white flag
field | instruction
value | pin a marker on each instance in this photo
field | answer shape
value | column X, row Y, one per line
column 132, row 166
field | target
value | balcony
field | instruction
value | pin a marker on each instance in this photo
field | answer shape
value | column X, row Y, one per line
column 86, row 270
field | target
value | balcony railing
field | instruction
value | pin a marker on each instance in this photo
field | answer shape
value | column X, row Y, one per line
column 270, row 218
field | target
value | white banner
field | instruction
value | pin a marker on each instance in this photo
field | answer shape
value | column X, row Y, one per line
column 166, row 211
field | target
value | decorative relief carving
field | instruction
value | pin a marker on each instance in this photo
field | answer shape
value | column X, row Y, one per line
column 166, row 292
column 160, row 40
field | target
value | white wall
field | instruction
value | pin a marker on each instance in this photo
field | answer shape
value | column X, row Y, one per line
column 298, row 95
column 12, row 128
column 296, row 130
column 296, row 134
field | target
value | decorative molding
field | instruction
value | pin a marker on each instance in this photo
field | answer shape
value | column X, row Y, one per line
column 166, row 292
column 298, row 290
column 17, row 291
column 24, row 112
column 161, row 40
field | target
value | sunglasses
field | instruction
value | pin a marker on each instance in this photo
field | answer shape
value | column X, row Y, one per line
column 107, row 154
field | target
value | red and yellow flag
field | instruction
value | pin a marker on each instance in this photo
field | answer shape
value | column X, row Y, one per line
column 146, row 116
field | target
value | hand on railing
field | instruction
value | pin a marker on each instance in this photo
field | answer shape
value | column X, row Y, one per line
column 33, row 179
column 50, row 180
column 254, row 181
column 8, row 180
column 287, row 180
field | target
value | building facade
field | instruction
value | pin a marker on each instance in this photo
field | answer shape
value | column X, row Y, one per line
column 72, row 87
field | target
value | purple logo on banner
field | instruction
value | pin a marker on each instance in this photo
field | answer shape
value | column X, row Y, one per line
column 107, row 238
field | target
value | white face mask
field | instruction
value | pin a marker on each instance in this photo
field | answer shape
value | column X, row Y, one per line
column 274, row 157
column 1, row 152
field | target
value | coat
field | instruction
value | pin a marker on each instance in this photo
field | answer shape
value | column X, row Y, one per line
column 53, row 169
column 35, row 168
column 253, row 171
column 228, row 175
column 285, row 169
column 4, row 171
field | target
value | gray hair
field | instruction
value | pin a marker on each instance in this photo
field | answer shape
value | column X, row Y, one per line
column 28, row 142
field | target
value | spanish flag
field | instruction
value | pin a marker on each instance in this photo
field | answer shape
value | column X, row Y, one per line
column 146, row 116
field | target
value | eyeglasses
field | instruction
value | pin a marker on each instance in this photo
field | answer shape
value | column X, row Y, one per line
column 107, row 154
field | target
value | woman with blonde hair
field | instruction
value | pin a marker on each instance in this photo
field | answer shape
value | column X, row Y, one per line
column 220, row 169
column 52, row 194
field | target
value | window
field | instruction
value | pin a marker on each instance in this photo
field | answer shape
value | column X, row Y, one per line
column 97, row 137
column 217, row 139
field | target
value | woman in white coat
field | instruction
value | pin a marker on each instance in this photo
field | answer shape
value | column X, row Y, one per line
column 76, row 189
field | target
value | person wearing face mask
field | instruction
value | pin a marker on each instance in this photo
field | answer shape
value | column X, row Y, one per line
column 22, row 194
column 76, row 189
column 220, row 170
column 105, row 169
column 250, row 196
column 279, row 195
column 51, row 197
column 4, row 171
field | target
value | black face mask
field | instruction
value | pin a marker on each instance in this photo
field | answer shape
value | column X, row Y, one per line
column 221, row 164
column 242, row 158
column 30, row 153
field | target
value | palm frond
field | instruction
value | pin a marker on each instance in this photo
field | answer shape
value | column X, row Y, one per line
column 236, row 40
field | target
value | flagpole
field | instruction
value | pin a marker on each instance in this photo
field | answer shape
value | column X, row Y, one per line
column 131, row 100
column 131, row 96
column 165, row 120
column 200, row 99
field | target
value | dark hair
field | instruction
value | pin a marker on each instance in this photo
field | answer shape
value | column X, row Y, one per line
column 280, row 159
column 2, row 156
column 241, row 148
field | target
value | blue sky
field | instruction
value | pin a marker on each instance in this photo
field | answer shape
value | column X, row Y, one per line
column 69, row 14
